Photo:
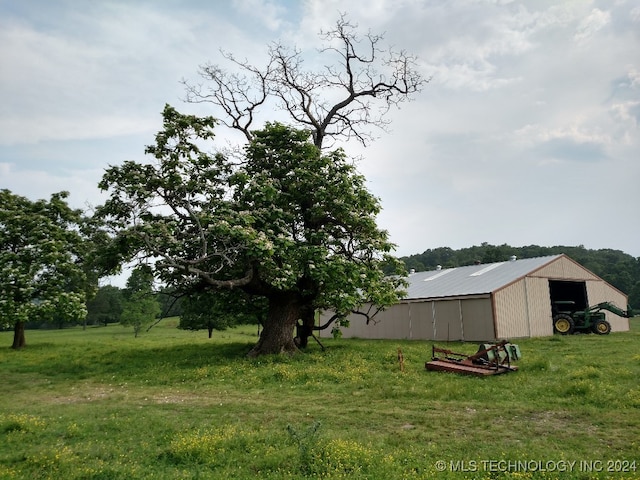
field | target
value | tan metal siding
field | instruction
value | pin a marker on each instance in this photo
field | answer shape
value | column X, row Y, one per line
column 448, row 320
column 511, row 311
column 539, row 307
column 421, row 317
column 598, row 292
column 477, row 320
column 566, row 269
column 392, row 323
column 356, row 329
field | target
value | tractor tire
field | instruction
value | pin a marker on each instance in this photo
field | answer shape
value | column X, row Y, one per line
column 563, row 324
column 601, row 327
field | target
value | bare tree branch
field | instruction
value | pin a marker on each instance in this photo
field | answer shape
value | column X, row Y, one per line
column 238, row 95
column 344, row 100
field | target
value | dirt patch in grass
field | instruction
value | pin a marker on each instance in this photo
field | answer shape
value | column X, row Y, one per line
column 87, row 393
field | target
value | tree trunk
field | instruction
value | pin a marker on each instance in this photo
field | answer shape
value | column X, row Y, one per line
column 305, row 329
column 277, row 333
column 18, row 336
column 210, row 329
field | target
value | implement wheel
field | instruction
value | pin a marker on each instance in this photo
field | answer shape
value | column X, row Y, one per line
column 563, row 324
column 601, row 327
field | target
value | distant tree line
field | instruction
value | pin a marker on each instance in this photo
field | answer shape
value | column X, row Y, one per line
column 614, row 266
column 141, row 307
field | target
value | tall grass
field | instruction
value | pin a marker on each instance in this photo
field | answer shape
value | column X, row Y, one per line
column 170, row 404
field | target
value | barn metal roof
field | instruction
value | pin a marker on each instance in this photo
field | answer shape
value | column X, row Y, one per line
column 472, row 279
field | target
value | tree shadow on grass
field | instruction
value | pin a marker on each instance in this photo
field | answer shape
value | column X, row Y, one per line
column 31, row 347
column 112, row 361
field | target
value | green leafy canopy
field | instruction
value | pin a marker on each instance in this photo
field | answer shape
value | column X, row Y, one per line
column 42, row 249
column 283, row 219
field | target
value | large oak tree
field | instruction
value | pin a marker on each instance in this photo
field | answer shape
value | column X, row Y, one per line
column 286, row 222
column 342, row 92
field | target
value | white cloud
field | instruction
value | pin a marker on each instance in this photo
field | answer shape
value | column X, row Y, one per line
column 627, row 113
column 596, row 21
column 39, row 184
column 270, row 13
column 108, row 70
column 539, row 133
column 634, row 77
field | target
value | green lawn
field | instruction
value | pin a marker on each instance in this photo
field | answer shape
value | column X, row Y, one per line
column 101, row 404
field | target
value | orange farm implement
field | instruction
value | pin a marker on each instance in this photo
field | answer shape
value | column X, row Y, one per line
column 490, row 359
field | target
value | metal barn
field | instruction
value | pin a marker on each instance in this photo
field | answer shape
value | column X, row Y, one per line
column 488, row 302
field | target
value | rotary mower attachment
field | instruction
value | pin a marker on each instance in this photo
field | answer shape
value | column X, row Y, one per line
column 490, row 359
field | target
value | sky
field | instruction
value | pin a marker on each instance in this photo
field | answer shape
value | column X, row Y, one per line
column 528, row 132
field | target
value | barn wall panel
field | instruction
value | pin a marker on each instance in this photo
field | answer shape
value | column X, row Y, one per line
column 539, row 307
column 448, row 320
column 394, row 325
column 421, row 315
column 477, row 320
column 391, row 323
column 511, row 311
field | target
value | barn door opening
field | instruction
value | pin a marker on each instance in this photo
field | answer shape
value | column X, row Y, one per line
column 567, row 296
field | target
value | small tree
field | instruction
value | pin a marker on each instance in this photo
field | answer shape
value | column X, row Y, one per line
column 42, row 248
column 288, row 224
column 140, row 306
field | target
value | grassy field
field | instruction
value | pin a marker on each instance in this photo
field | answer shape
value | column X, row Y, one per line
column 101, row 404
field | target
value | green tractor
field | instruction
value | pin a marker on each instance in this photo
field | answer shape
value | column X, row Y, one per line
column 567, row 319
